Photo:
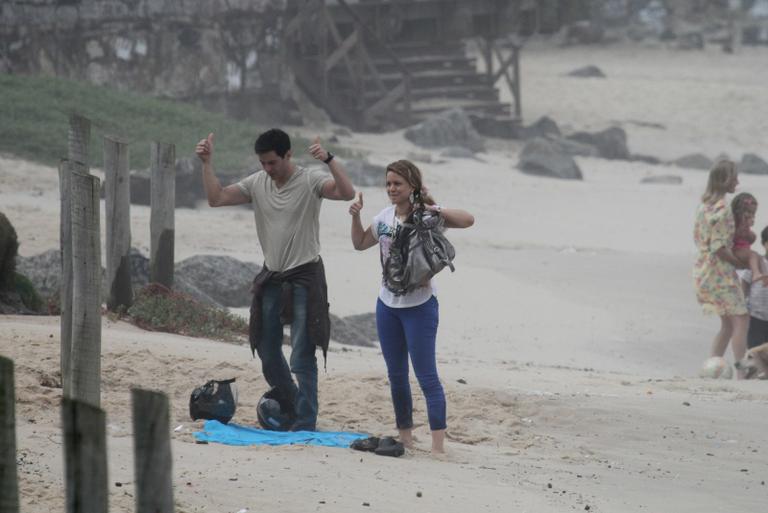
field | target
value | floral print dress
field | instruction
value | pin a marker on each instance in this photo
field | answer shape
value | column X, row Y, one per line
column 717, row 286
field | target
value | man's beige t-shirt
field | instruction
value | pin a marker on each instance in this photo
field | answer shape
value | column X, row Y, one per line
column 287, row 218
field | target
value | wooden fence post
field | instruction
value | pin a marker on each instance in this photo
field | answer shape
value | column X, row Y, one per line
column 152, row 452
column 66, row 169
column 85, row 457
column 86, row 290
column 79, row 138
column 9, row 484
column 117, row 204
column 161, row 221
column 516, row 90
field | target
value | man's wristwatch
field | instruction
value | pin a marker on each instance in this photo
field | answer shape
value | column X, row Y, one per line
column 330, row 157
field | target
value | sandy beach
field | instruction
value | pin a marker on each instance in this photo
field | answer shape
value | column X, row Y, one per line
column 569, row 343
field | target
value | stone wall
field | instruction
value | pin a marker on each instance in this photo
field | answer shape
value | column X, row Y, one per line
column 210, row 51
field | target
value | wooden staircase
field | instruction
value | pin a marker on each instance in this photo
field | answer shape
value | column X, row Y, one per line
column 369, row 84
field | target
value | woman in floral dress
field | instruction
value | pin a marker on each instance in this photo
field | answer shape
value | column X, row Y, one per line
column 714, row 273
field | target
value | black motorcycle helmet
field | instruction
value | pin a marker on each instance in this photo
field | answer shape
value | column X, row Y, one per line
column 215, row 400
column 275, row 413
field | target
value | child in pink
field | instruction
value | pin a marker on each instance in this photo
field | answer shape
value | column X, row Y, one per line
column 744, row 207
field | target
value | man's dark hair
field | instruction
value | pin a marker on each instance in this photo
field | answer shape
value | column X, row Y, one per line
column 764, row 235
column 275, row 140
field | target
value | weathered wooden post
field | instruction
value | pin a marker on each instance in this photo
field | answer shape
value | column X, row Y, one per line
column 152, row 452
column 66, row 169
column 86, row 290
column 78, row 140
column 85, row 457
column 161, row 221
column 516, row 83
column 117, row 203
column 9, row 484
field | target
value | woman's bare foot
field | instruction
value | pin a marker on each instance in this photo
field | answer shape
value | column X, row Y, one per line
column 438, row 441
column 406, row 438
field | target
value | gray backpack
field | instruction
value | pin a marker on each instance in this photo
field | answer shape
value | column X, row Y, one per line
column 419, row 251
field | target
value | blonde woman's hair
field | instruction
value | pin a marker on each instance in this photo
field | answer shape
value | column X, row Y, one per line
column 719, row 178
column 411, row 174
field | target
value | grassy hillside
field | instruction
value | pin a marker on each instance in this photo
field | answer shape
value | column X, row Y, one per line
column 34, row 118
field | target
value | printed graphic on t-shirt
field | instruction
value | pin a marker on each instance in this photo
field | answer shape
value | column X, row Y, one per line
column 385, row 234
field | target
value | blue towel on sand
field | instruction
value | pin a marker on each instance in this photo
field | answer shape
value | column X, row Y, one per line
column 232, row 434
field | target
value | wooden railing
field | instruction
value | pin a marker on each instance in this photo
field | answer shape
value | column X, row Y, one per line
column 510, row 62
column 352, row 51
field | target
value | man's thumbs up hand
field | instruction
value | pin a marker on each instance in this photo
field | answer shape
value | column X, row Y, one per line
column 204, row 149
column 357, row 206
column 317, row 150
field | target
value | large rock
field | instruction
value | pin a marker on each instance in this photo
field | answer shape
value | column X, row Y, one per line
column 694, row 161
column 611, row 143
column 366, row 325
column 542, row 127
column 648, row 159
column 43, row 270
column 502, row 126
column 543, row 158
column 449, row 128
column 11, row 303
column 227, row 282
column 574, row 148
column 139, row 265
column 350, row 332
column 590, row 71
column 751, row 164
column 225, row 279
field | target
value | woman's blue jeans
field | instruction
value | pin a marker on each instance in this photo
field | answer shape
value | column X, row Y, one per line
column 303, row 360
column 405, row 332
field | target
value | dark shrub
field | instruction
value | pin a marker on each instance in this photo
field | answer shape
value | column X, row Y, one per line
column 9, row 247
column 159, row 309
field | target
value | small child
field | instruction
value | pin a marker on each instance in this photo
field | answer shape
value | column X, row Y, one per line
column 744, row 207
column 757, row 299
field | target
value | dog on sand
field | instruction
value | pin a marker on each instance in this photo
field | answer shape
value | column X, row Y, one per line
column 755, row 363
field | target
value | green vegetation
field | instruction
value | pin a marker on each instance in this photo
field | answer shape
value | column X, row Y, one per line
column 158, row 309
column 35, row 111
column 27, row 293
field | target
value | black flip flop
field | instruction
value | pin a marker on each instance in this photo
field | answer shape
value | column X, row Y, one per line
column 388, row 446
column 365, row 444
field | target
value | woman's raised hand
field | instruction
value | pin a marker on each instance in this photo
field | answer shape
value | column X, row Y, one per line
column 357, row 206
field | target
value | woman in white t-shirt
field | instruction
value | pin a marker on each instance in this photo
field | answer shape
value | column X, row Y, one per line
column 407, row 324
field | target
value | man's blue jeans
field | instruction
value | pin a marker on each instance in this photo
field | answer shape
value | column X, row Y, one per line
column 303, row 362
